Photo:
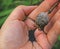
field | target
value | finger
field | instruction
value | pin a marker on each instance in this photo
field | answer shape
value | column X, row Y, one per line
column 44, row 6
column 42, row 40
column 21, row 12
column 52, row 21
column 54, row 33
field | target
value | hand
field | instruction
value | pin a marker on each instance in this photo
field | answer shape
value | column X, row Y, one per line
column 14, row 32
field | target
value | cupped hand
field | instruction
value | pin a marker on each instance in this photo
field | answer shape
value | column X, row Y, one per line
column 14, row 32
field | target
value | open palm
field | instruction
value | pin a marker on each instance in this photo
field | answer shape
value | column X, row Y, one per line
column 14, row 32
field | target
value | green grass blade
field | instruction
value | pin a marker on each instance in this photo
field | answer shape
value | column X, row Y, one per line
column 6, row 12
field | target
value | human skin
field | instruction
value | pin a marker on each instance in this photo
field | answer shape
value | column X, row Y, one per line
column 14, row 32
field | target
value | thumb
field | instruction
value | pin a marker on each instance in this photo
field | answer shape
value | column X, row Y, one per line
column 42, row 40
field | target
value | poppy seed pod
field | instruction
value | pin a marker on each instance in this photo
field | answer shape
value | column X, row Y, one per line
column 42, row 20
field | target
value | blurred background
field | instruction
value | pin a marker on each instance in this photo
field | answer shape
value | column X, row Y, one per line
column 6, row 7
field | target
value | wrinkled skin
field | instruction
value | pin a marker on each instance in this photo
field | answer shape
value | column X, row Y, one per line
column 14, row 32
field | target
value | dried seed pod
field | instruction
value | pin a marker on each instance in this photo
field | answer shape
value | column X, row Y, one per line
column 42, row 20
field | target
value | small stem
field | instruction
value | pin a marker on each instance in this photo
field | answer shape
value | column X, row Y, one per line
column 53, row 7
